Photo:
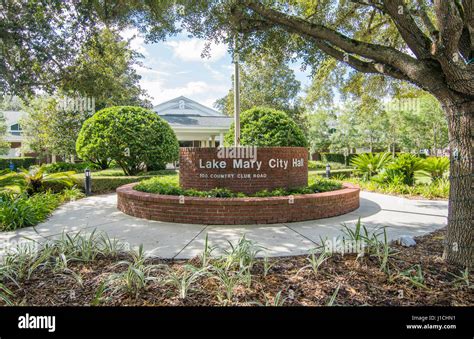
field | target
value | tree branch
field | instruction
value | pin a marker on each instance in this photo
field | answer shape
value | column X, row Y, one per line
column 359, row 65
column 396, row 60
column 414, row 37
column 450, row 27
column 466, row 43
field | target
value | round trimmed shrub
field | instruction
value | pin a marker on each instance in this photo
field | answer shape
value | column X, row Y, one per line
column 262, row 126
column 133, row 137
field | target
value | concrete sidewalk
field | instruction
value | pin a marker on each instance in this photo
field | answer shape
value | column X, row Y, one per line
column 169, row 240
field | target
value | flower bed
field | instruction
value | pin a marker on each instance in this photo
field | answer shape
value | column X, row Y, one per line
column 227, row 211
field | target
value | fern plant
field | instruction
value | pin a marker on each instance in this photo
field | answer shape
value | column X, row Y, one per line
column 370, row 164
column 436, row 167
column 11, row 182
column 38, row 180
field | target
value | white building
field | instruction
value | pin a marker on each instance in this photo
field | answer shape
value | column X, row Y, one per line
column 13, row 135
column 195, row 125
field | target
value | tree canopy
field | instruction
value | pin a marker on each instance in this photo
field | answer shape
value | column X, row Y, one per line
column 105, row 70
column 265, row 82
column 263, row 126
column 133, row 137
column 428, row 43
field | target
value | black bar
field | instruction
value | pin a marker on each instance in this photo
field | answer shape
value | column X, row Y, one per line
column 257, row 321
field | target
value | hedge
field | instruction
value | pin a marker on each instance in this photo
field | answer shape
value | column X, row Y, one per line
column 23, row 162
column 339, row 157
column 347, row 172
column 336, row 157
column 102, row 185
column 67, row 166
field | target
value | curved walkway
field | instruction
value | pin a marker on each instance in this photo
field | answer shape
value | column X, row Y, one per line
column 169, row 240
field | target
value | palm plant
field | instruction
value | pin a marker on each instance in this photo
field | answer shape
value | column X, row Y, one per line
column 370, row 164
column 37, row 179
column 11, row 182
column 408, row 167
column 436, row 167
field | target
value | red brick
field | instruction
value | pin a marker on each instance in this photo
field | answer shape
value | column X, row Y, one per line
column 237, row 210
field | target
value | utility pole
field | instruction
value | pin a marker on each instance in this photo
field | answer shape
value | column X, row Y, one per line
column 236, row 96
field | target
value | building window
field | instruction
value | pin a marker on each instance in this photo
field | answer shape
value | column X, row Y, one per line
column 15, row 129
column 185, row 144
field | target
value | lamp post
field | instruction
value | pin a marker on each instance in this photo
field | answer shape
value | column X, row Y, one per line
column 236, row 96
column 328, row 170
column 88, row 182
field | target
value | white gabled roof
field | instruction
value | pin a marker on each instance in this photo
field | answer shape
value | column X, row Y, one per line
column 185, row 106
column 12, row 117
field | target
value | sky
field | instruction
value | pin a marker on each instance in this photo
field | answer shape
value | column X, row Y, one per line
column 175, row 67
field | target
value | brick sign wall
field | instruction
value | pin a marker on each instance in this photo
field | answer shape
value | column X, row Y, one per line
column 269, row 168
column 227, row 211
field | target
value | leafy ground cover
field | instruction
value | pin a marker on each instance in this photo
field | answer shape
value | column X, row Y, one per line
column 169, row 185
column 21, row 210
column 95, row 270
column 28, row 197
column 107, row 181
column 406, row 175
column 438, row 189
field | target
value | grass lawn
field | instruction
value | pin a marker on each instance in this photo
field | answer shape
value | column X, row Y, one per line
column 106, row 181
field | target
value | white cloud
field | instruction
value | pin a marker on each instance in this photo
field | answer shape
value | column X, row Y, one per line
column 149, row 73
column 137, row 42
column 191, row 50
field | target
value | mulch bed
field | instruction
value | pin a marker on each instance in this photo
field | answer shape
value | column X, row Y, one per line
column 360, row 283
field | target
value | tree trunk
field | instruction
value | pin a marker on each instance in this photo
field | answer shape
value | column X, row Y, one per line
column 459, row 247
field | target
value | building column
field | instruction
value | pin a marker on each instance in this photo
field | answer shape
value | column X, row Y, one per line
column 221, row 139
column 213, row 142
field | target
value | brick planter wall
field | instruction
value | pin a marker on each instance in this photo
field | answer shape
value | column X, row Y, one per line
column 191, row 176
column 226, row 211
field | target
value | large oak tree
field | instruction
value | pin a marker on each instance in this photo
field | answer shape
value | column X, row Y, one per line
column 428, row 43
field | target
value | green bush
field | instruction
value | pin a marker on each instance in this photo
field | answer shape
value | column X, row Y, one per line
column 262, row 126
column 109, row 180
column 404, row 168
column 24, row 162
column 436, row 166
column 67, row 166
column 370, row 164
column 22, row 210
column 336, row 157
column 11, row 182
column 18, row 211
column 169, row 186
column 320, row 165
column 110, row 184
column 131, row 136
column 38, row 180
column 436, row 189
